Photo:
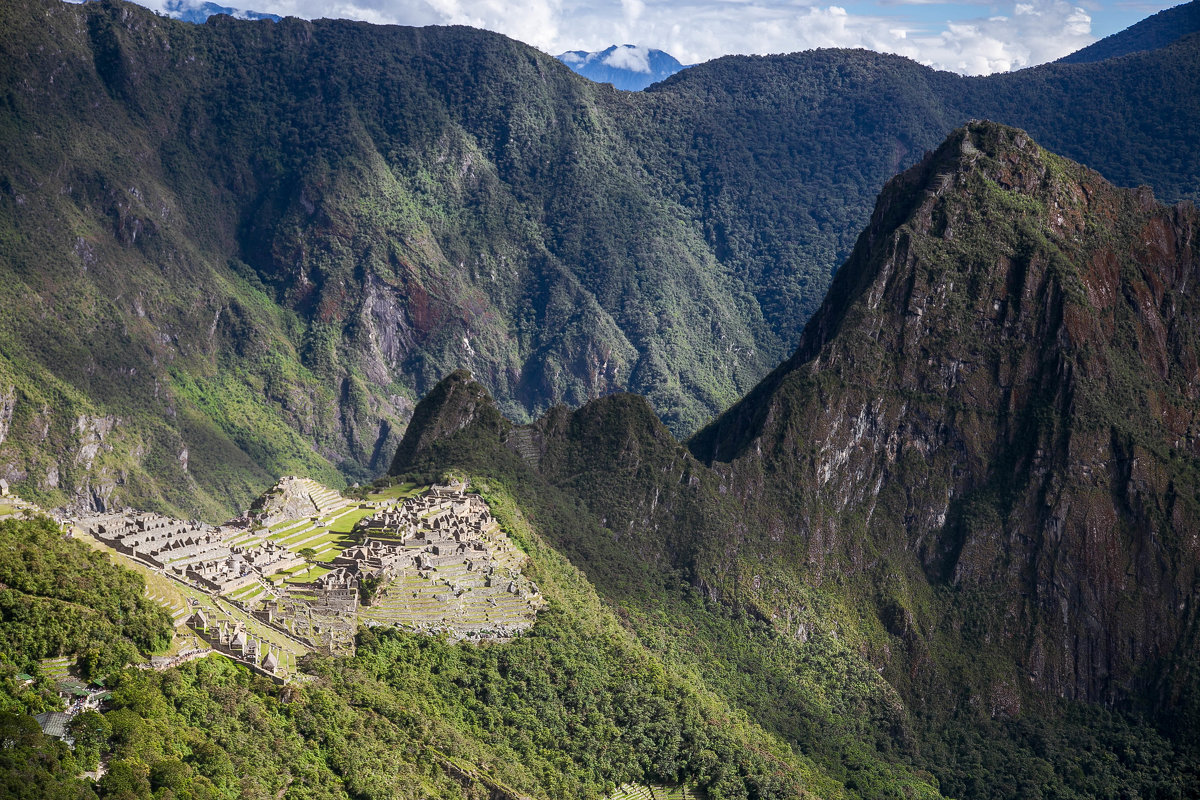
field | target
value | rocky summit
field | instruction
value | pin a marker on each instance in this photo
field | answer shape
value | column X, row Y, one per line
column 1001, row 390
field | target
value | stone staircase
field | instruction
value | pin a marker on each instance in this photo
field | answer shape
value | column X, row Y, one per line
column 179, row 611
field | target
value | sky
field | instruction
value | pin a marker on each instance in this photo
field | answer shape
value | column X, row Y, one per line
column 971, row 37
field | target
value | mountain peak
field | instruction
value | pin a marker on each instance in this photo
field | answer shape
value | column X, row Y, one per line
column 627, row 66
column 1000, row 385
column 198, row 12
column 456, row 402
column 919, row 205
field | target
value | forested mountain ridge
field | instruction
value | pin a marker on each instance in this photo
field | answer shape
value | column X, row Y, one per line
column 1151, row 33
column 977, row 471
column 242, row 249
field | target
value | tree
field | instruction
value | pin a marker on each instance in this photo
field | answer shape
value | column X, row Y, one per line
column 170, row 773
column 125, row 779
column 90, row 731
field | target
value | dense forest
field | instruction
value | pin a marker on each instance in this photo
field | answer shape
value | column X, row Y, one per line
column 242, row 249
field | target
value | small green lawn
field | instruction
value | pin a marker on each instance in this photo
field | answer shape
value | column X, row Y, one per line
column 292, row 570
column 346, row 522
column 296, row 538
column 323, row 541
column 287, row 524
column 397, row 492
column 309, row 575
column 329, row 551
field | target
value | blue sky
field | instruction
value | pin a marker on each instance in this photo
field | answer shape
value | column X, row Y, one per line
column 973, row 37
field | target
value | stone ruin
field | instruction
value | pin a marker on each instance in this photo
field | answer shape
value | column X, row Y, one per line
column 327, row 624
column 375, row 558
column 199, row 554
column 439, row 562
column 294, row 498
column 446, row 566
column 233, row 639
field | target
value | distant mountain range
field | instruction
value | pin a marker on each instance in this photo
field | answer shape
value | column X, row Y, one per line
column 198, row 13
column 626, row 66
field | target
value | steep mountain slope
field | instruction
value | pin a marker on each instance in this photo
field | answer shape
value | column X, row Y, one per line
column 976, row 474
column 609, row 486
column 626, row 66
column 570, row 709
column 241, row 249
column 1153, row 32
column 246, row 261
column 1000, row 389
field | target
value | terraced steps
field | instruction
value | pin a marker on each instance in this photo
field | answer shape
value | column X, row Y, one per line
column 520, row 440
column 178, row 609
column 56, row 669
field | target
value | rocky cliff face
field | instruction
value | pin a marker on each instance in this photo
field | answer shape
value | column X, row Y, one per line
column 1000, row 390
column 975, row 479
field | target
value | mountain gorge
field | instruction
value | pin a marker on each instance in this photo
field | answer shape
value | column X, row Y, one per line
column 268, row 239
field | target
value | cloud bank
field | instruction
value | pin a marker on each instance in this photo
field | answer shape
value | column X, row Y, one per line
column 630, row 57
column 1011, row 36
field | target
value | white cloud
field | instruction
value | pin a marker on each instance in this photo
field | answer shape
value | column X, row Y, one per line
column 632, row 10
column 1035, row 33
column 1022, row 34
column 629, row 57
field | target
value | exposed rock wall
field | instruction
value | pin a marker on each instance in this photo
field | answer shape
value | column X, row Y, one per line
column 1001, row 390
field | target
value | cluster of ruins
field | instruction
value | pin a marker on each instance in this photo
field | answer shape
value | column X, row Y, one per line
column 325, row 623
column 447, row 566
column 200, row 554
column 434, row 562
column 236, row 641
column 441, row 527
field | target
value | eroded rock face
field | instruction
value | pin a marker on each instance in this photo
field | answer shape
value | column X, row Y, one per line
column 8, row 399
column 1001, row 391
column 987, row 432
